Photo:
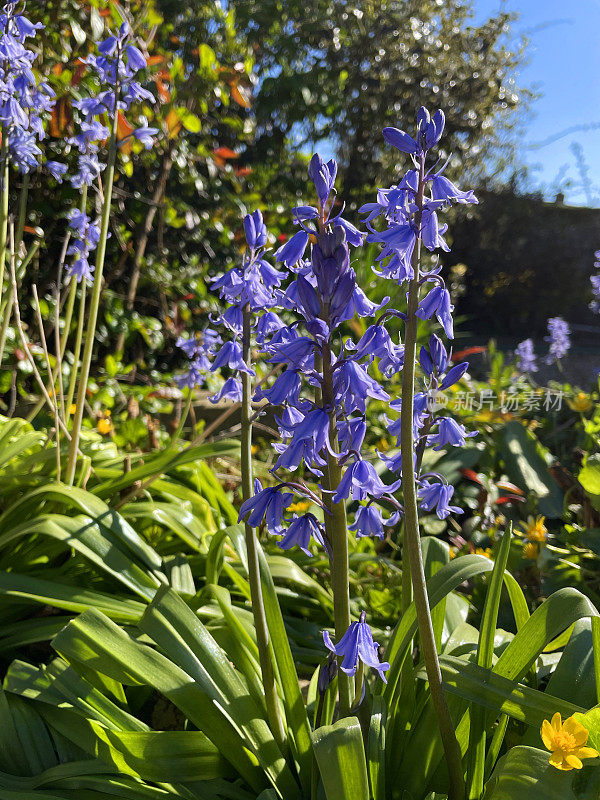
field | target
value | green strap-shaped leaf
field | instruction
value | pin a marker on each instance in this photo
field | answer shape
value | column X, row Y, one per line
column 84, row 502
column 340, row 755
column 182, row 636
column 164, row 461
column 160, row 756
column 482, row 686
column 94, row 640
column 558, row 612
column 485, row 655
column 69, row 598
column 441, row 584
column 525, row 774
column 295, row 710
column 376, row 749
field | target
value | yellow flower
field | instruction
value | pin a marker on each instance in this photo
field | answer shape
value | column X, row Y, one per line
column 566, row 741
column 530, row 551
column 255, row 448
column 104, row 425
column 581, row 402
column 300, row 506
column 451, row 553
column 480, row 551
column 535, row 530
column 72, row 409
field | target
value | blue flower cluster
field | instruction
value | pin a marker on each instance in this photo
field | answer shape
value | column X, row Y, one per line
column 253, row 286
column 559, row 344
column 23, row 101
column 526, row 359
column 86, row 235
column 595, row 281
column 327, row 379
column 116, row 68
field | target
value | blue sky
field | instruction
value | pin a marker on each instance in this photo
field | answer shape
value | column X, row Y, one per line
column 564, row 66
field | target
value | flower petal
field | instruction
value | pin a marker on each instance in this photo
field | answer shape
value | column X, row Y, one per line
column 586, row 752
column 557, row 760
column 573, row 761
column 547, row 734
column 557, row 721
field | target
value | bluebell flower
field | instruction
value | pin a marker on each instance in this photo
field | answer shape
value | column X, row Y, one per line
column 450, row 433
column 308, row 437
column 436, row 497
column 558, row 338
column 438, row 303
column 192, row 377
column 86, row 235
column 357, row 645
column 57, row 170
column 146, row 135
column 268, row 323
column 401, row 140
column 526, row 359
column 231, row 390
column 255, row 229
column 292, row 251
column 430, row 128
column 454, row 375
column 369, row 521
column 299, row 533
column 323, row 176
column 298, row 352
column 444, row 189
column 351, row 433
column 230, row 355
column 377, row 343
column 595, row 304
column 286, row 388
column 360, row 480
column 269, row 503
column 352, row 385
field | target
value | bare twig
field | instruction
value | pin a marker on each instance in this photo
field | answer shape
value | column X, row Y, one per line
column 40, row 322
column 25, row 346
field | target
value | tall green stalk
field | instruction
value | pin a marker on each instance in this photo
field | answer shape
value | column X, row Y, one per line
column 412, row 539
column 4, row 191
column 94, row 304
column 336, row 530
column 258, row 607
column 77, row 345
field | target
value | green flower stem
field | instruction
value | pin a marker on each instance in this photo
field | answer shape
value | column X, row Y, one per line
column 256, row 595
column 77, row 345
column 184, row 415
column 22, row 213
column 412, row 540
column 3, row 205
column 6, row 308
column 94, row 304
column 336, row 530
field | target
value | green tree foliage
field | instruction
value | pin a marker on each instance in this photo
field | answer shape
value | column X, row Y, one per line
column 349, row 68
column 243, row 89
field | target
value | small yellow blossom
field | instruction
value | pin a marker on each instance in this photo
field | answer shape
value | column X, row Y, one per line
column 566, row 741
column 104, row 425
column 535, row 530
column 452, row 553
column 481, row 551
column 255, row 448
column 581, row 402
column 300, row 506
column 72, row 409
column 531, row 551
